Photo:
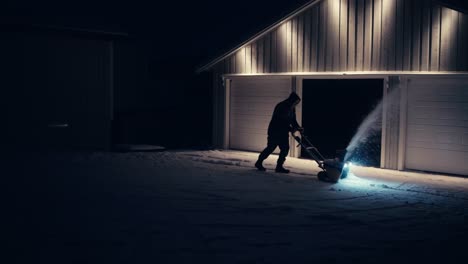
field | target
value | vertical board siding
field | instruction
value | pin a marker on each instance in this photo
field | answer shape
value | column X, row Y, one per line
column 335, row 32
column 407, row 36
column 435, row 38
column 388, row 35
column 254, row 58
column 368, row 26
column 328, row 27
column 462, row 47
column 267, row 54
column 360, row 12
column 453, row 40
column 322, row 30
column 425, row 36
column 248, row 59
column 416, row 35
column 300, row 44
column 274, row 58
column 307, row 38
column 445, row 44
column 293, row 49
column 386, row 30
column 343, row 28
column 399, row 33
column 377, row 36
column 280, row 42
column 460, row 44
column 288, row 49
column 351, row 36
column 240, row 61
column 360, row 35
column 261, row 55
column 465, row 30
column 314, row 40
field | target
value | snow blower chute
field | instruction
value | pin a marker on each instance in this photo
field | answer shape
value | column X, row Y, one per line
column 332, row 169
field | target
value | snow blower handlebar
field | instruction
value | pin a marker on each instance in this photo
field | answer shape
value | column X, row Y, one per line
column 309, row 148
column 332, row 169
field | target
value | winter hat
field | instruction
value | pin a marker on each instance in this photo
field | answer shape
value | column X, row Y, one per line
column 293, row 97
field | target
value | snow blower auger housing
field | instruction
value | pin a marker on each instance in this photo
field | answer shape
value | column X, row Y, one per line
column 332, row 169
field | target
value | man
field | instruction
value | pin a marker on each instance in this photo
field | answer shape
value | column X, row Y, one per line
column 282, row 122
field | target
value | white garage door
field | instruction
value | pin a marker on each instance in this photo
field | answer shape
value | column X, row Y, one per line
column 252, row 103
column 437, row 132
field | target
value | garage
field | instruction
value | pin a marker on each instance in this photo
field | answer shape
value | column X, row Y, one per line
column 437, row 125
column 59, row 88
column 422, row 63
column 252, row 101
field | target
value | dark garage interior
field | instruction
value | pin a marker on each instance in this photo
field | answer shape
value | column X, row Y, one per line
column 333, row 109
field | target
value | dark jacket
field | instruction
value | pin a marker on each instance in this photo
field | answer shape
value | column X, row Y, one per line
column 284, row 118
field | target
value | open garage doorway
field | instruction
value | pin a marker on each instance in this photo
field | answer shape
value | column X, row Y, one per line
column 332, row 111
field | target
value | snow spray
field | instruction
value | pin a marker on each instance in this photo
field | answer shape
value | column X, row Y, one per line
column 370, row 126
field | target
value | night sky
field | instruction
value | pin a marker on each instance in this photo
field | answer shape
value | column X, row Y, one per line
column 171, row 105
column 195, row 30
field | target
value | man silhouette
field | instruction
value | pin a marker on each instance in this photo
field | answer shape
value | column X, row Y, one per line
column 282, row 122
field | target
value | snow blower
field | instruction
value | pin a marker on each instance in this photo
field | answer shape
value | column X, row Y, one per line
column 332, row 169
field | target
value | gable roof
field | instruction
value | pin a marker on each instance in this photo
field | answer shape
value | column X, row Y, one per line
column 459, row 5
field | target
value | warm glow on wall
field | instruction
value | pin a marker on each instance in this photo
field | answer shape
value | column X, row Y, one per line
column 334, row 10
column 359, row 36
column 388, row 17
column 282, row 45
column 240, row 61
column 449, row 23
column 248, row 59
column 449, row 39
column 388, row 6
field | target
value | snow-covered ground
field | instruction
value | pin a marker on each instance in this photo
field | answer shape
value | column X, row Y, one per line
column 214, row 207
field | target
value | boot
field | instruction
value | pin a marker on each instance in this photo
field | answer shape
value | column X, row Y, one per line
column 259, row 165
column 281, row 169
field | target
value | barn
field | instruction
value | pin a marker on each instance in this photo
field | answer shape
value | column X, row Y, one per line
column 414, row 51
column 58, row 87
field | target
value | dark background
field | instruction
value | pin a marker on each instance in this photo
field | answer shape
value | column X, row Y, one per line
column 159, row 99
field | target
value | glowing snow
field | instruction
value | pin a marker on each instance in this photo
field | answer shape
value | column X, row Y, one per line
column 369, row 127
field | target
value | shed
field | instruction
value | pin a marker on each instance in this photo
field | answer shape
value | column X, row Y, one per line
column 58, row 87
column 415, row 50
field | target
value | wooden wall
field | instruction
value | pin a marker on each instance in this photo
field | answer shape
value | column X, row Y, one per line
column 57, row 91
column 360, row 35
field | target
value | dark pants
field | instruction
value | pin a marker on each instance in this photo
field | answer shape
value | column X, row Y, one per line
column 276, row 141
